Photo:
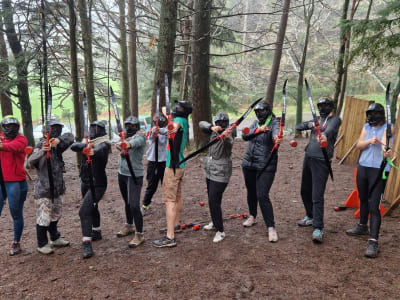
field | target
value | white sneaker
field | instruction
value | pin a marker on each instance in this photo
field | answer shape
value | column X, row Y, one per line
column 46, row 249
column 60, row 242
column 209, row 226
column 250, row 221
column 219, row 236
column 272, row 235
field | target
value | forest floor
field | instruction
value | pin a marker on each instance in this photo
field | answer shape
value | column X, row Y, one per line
column 244, row 265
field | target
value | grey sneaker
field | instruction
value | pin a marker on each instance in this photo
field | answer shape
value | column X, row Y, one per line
column 60, row 242
column 317, row 235
column 164, row 242
column 46, row 249
column 307, row 221
column 359, row 229
column 372, row 249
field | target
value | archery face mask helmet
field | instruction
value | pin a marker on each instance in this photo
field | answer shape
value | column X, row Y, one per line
column 162, row 121
column 131, row 126
column 10, row 127
column 97, row 129
column 182, row 109
column 221, row 119
column 325, row 106
column 375, row 114
column 263, row 111
column 56, row 129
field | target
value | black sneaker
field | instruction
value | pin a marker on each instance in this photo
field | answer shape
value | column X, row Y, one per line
column 358, row 230
column 96, row 235
column 372, row 249
column 87, row 250
column 164, row 242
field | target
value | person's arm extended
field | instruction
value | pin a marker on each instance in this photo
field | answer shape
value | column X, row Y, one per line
column 305, row 126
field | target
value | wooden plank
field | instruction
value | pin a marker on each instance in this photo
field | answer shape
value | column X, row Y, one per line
column 338, row 140
column 348, row 152
column 394, row 205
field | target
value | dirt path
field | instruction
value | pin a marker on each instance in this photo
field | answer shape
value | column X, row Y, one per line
column 244, row 265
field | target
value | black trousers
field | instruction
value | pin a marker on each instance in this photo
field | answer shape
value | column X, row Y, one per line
column 215, row 191
column 41, row 233
column 313, row 183
column 258, row 192
column 89, row 213
column 131, row 195
column 155, row 174
column 370, row 200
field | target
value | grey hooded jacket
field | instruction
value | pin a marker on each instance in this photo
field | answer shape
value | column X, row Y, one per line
column 136, row 151
column 38, row 160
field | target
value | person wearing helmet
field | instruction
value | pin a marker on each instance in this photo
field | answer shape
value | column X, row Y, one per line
column 315, row 171
column 172, row 182
column 12, row 158
column 48, row 211
column 262, row 136
column 368, row 171
column 135, row 143
column 218, row 168
column 89, row 211
column 155, row 169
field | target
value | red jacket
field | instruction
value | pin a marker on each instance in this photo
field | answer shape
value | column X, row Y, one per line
column 12, row 158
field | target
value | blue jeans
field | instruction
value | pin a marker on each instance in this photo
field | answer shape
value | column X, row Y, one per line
column 16, row 194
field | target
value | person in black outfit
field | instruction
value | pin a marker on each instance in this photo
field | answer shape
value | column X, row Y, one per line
column 315, row 170
column 262, row 136
column 89, row 212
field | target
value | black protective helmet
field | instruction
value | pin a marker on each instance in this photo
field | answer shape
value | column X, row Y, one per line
column 99, row 123
column 374, row 119
column 131, row 120
column 262, row 115
column 325, row 100
column 221, row 116
column 10, row 133
column 162, row 120
column 56, row 130
column 97, row 129
column 185, row 111
column 263, row 105
column 325, row 106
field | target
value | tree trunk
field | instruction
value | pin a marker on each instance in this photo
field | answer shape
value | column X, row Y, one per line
column 187, row 29
column 133, row 85
column 346, row 60
column 6, row 104
column 278, row 54
column 74, row 72
column 124, row 61
column 340, row 63
column 299, row 104
column 22, row 72
column 88, row 57
column 396, row 91
column 165, row 49
column 200, row 90
column 45, row 72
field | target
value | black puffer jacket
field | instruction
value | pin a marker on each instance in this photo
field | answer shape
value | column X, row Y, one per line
column 99, row 163
column 38, row 160
column 260, row 146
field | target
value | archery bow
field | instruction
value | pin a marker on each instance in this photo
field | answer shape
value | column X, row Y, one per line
column 388, row 137
column 121, row 134
column 222, row 135
column 317, row 127
column 48, row 155
column 86, row 151
column 157, row 120
column 170, row 124
column 280, row 134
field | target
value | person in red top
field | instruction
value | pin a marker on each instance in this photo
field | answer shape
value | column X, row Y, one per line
column 12, row 158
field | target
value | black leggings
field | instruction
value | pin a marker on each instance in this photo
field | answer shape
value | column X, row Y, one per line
column 370, row 200
column 89, row 213
column 155, row 174
column 215, row 191
column 258, row 192
column 131, row 195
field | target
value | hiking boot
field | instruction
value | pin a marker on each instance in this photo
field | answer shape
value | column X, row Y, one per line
column 250, row 221
column 209, row 226
column 307, row 221
column 272, row 235
column 372, row 249
column 164, row 242
column 317, row 235
column 219, row 236
column 137, row 240
column 126, row 230
column 60, row 242
column 87, row 250
column 144, row 210
column 359, row 229
column 15, row 249
column 96, row 235
column 46, row 249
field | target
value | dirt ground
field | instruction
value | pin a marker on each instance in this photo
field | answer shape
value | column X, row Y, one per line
column 244, row 265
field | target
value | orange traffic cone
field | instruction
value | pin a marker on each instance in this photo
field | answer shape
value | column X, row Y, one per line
column 353, row 200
